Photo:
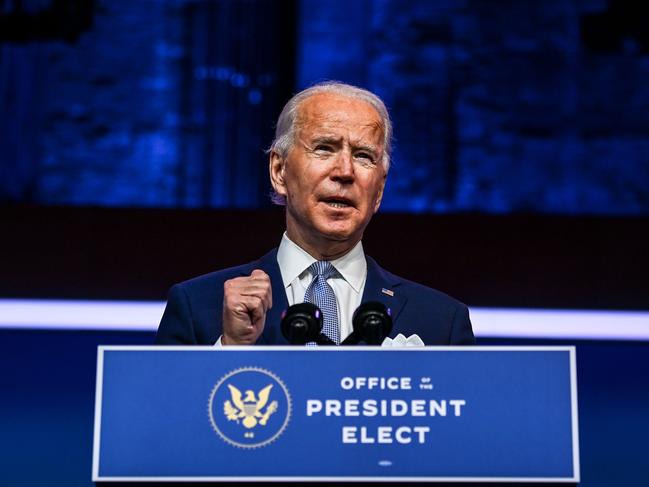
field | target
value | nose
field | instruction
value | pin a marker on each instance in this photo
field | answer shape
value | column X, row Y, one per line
column 343, row 170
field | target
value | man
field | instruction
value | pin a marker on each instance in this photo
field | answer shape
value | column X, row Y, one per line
column 328, row 165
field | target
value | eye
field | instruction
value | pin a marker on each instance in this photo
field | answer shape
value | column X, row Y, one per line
column 323, row 148
column 366, row 157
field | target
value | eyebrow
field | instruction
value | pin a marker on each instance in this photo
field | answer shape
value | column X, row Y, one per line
column 369, row 148
column 327, row 139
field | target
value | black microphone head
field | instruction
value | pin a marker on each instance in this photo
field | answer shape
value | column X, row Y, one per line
column 301, row 323
column 372, row 322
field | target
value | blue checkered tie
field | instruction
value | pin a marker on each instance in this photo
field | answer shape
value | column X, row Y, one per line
column 322, row 295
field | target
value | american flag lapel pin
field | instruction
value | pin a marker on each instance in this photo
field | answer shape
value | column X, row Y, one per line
column 389, row 292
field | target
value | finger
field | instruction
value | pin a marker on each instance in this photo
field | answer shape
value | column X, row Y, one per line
column 254, row 285
column 261, row 276
column 243, row 319
column 261, row 292
column 250, row 304
column 257, row 284
column 244, row 286
column 258, row 317
column 249, row 281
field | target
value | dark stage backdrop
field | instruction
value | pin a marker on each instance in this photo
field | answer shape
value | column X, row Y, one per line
column 536, row 261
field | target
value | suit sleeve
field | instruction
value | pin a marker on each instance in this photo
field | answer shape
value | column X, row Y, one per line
column 462, row 331
column 176, row 326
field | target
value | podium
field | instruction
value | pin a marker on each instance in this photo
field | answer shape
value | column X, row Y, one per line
column 451, row 414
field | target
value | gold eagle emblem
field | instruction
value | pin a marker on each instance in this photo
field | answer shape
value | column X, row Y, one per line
column 248, row 407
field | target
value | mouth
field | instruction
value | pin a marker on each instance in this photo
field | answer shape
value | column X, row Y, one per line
column 338, row 202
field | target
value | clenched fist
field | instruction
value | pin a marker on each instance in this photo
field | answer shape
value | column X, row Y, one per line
column 245, row 303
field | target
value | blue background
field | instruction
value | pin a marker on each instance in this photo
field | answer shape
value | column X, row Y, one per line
column 499, row 106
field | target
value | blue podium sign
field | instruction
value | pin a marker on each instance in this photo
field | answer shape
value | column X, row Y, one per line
column 448, row 414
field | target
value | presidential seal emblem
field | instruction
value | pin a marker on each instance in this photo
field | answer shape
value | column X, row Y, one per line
column 249, row 407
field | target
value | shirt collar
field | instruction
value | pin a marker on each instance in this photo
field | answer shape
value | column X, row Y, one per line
column 294, row 260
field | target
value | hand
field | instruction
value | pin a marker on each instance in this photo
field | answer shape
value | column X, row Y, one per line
column 245, row 303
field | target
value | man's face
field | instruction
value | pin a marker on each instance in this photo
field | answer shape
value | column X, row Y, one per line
column 333, row 177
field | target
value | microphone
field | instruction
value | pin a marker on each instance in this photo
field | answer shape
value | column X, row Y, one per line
column 302, row 323
column 372, row 322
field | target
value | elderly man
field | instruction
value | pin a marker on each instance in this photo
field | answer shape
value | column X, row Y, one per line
column 328, row 165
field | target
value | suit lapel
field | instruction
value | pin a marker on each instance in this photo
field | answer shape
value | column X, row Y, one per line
column 383, row 287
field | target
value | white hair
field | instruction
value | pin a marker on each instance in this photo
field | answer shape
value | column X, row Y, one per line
column 286, row 129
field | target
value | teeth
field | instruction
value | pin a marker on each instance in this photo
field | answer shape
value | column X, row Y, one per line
column 337, row 204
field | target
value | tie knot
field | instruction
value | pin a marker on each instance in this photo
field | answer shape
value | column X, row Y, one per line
column 323, row 268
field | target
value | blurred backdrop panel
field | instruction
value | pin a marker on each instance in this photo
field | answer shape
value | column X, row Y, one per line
column 499, row 106
column 152, row 103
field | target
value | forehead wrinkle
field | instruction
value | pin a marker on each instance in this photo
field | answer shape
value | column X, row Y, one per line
column 322, row 123
column 333, row 131
column 375, row 129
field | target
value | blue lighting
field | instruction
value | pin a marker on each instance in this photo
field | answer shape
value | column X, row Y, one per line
column 492, row 114
column 487, row 322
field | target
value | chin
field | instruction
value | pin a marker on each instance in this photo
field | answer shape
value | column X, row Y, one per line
column 338, row 228
column 338, row 233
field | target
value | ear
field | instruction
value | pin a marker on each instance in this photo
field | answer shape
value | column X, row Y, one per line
column 379, row 196
column 276, row 165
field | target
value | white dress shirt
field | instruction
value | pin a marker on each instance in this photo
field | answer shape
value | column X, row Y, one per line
column 348, row 286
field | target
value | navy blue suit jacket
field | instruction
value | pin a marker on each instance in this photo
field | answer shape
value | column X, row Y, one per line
column 193, row 315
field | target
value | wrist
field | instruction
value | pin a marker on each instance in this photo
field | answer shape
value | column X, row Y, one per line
column 228, row 341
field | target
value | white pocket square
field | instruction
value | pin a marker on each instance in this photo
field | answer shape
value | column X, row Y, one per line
column 402, row 341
